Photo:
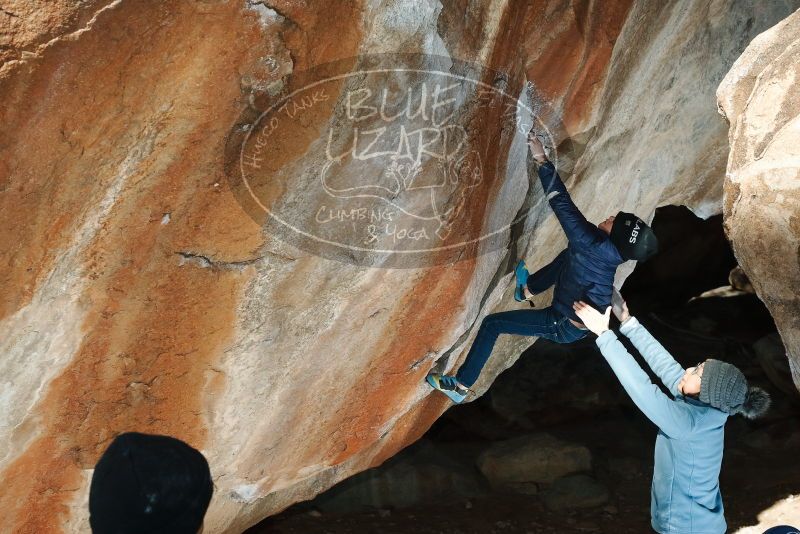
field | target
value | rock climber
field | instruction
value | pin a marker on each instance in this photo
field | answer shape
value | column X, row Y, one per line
column 685, row 495
column 149, row 484
column 583, row 271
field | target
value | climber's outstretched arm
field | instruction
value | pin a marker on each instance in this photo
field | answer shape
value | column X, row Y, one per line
column 575, row 225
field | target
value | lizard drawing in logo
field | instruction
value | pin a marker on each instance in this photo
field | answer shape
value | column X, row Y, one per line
column 428, row 185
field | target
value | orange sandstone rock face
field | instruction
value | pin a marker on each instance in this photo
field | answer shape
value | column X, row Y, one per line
column 760, row 97
column 147, row 286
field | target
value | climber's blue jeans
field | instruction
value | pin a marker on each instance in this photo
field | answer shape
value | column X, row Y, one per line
column 546, row 323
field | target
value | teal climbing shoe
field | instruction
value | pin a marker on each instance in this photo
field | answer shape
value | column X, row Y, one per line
column 521, row 274
column 449, row 386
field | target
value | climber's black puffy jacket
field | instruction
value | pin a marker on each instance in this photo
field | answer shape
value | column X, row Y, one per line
column 586, row 268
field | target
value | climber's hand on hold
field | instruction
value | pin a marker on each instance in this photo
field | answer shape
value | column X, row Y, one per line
column 536, row 147
column 619, row 306
column 593, row 320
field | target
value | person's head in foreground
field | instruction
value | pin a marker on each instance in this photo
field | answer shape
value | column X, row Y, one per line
column 634, row 239
column 149, row 484
column 724, row 387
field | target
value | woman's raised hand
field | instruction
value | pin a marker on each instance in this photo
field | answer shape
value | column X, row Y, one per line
column 593, row 320
column 619, row 306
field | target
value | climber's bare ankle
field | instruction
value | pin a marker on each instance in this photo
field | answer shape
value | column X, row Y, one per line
column 526, row 292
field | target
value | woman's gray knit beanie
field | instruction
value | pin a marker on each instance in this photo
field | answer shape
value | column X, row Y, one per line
column 724, row 387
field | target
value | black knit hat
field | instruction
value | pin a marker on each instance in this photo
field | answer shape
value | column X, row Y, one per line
column 724, row 387
column 633, row 238
column 149, row 484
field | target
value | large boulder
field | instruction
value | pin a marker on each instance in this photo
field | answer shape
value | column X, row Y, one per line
column 760, row 98
column 148, row 285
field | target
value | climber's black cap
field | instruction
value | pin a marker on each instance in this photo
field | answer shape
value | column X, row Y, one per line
column 148, row 484
column 633, row 238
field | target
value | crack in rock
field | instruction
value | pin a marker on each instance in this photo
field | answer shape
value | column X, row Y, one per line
column 207, row 262
column 26, row 54
column 268, row 14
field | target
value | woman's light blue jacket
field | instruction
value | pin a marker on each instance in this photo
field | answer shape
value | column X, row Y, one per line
column 685, row 495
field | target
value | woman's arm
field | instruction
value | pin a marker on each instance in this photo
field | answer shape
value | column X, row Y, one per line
column 660, row 361
column 660, row 409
